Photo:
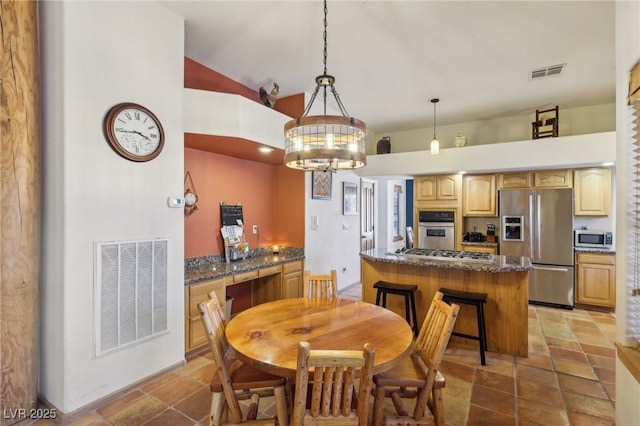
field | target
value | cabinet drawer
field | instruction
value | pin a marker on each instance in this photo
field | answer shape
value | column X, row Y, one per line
column 292, row 267
column 603, row 259
column 199, row 293
column 271, row 270
column 245, row 276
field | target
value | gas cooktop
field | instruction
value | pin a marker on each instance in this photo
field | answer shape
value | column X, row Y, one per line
column 448, row 254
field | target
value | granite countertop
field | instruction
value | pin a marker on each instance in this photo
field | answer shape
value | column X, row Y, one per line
column 479, row 244
column 499, row 264
column 205, row 268
column 594, row 250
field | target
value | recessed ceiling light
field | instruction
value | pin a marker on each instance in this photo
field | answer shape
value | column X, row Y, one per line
column 462, row 172
column 608, row 164
column 265, row 149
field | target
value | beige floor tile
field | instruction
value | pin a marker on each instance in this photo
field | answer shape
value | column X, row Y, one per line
column 176, row 390
column 540, row 414
column 591, row 405
column 581, row 385
column 574, row 369
column 138, row 412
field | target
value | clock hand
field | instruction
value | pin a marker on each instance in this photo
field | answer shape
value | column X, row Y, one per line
column 133, row 131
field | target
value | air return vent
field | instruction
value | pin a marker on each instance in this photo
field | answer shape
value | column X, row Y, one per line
column 554, row 70
column 131, row 293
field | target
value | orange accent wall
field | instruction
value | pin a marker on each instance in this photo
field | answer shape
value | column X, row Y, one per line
column 272, row 195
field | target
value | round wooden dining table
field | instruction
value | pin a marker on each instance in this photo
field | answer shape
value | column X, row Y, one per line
column 267, row 335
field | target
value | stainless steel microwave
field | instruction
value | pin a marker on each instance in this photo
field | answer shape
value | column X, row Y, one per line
column 592, row 238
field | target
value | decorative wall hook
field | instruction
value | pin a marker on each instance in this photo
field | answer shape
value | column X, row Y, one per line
column 190, row 196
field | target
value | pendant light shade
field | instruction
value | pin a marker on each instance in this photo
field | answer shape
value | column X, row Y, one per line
column 325, row 142
column 435, row 143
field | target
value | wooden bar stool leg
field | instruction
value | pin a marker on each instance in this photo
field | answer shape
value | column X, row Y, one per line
column 378, row 293
column 407, row 301
column 414, row 315
column 482, row 339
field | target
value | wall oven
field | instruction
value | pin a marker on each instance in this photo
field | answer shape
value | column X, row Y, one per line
column 436, row 229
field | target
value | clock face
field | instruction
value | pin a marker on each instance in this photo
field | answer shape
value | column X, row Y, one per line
column 134, row 132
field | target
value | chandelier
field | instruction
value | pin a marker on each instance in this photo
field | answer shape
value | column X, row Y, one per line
column 325, row 142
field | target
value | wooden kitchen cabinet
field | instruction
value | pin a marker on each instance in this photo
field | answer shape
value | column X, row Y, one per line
column 515, row 180
column 436, row 187
column 592, row 192
column 194, row 334
column 479, row 195
column 292, row 280
column 480, row 249
column 553, row 179
column 596, row 279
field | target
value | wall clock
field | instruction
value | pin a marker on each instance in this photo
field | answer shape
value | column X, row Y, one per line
column 134, row 132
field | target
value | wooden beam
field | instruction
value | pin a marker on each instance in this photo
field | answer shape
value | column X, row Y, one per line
column 19, row 208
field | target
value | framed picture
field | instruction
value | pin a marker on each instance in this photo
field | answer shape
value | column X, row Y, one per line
column 321, row 185
column 349, row 198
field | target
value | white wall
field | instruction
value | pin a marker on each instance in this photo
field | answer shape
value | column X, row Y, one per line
column 573, row 121
column 385, row 212
column 95, row 55
column 548, row 153
column 336, row 242
column 627, row 54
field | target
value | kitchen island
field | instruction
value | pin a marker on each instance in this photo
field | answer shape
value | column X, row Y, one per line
column 505, row 279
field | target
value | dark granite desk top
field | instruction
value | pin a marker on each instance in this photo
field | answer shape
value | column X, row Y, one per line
column 211, row 267
column 499, row 263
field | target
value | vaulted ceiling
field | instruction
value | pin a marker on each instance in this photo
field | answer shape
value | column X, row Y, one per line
column 391, row 57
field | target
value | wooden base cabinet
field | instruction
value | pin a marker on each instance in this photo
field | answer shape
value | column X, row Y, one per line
column 194, row 335
column 267, row 284
column 292, row 280
column 596, row 279
column 480, row 249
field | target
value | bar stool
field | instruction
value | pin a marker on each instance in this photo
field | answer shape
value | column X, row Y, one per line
column 475, row 299
column 405, row 290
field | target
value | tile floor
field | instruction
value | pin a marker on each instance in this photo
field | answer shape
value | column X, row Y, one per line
column 568, row 379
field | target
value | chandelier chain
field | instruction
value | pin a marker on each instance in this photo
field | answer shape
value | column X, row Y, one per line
column 324, row 35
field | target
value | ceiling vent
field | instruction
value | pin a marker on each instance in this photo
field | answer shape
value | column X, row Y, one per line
column 553, row 70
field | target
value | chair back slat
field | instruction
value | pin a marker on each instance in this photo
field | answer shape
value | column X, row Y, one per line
column 434, row 337
column 321, row 285
column 335, row 374
column 214, row 326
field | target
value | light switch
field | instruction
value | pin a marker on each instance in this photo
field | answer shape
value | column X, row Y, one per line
column 315, row 222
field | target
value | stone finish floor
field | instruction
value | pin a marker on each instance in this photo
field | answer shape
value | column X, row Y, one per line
column 568, row 379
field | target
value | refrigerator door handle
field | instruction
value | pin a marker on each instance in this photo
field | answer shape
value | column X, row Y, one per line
column 530, row 226
column 542, row 268
column 538, row 220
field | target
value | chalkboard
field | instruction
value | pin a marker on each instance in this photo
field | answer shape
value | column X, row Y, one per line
column 231, row 214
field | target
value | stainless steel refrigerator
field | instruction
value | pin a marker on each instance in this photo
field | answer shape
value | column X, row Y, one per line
column 538, row 224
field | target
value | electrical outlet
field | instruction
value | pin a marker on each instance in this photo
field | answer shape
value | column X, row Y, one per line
column 255, row 229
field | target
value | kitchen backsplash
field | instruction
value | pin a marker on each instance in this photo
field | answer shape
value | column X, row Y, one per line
column 480, row 223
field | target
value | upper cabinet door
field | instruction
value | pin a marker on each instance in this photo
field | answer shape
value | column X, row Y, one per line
column 479, row 195
column 515, row 180
column 592, row 192
column 425, row 188
column 553, row 179
column 436, row 187
column 447, row 187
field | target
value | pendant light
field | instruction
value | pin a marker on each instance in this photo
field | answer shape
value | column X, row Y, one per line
column 435, row 143
column 325, row 142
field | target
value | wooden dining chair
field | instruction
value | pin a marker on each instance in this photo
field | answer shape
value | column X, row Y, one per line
column 233, row 380
column 326, row 390
column 321, row 285
column 416, row 376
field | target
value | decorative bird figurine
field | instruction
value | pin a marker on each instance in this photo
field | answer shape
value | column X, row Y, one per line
column 269, row 99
